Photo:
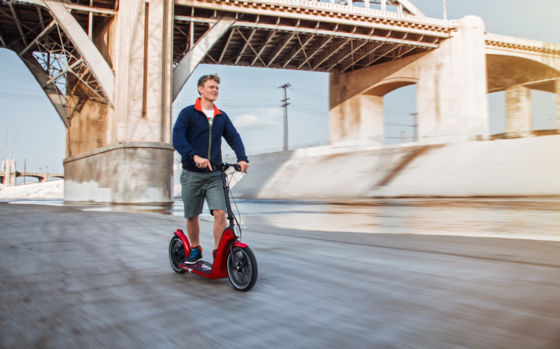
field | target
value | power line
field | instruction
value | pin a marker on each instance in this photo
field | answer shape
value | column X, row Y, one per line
column 314, row 95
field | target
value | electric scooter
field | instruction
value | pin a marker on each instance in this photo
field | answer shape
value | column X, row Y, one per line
column 233, row 259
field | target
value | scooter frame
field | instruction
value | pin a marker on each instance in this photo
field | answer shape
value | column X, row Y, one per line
column 228, row 241
column 217, row 270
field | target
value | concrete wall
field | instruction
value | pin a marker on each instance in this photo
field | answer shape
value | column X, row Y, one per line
column 135, row 172
column 512, row 167
column 451, row 87
column 557, row 91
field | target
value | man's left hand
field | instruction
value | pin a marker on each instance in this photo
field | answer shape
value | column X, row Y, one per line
column 244, row 165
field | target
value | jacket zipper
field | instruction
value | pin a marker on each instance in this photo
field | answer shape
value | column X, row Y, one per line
column 210, row 138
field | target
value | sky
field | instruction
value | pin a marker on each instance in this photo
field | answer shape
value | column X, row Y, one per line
column 251, row 96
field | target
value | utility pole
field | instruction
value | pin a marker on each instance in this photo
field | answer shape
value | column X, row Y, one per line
column 402, row 137
column 285, row 105
column 415, row 126
column 444, row 10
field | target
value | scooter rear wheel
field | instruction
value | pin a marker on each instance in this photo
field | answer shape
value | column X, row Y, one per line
column 176, row 253
column 242, row 269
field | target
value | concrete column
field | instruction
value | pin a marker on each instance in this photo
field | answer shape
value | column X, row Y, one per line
column 557, row 90
column 451, row 90
column 383, row 5
column 121, row 154
column 519, row 119
column 366, row 3
column 143, row 69
column 6, row 170
column 344, row 114
column 12, row 170
column 372, row 121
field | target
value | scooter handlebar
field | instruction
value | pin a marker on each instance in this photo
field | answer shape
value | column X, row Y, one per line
column 222, row 166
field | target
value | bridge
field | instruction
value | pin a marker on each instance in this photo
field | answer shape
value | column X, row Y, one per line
column 112, row 70
column 41, row 176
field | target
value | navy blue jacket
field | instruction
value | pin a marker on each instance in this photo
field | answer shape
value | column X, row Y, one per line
column 191, row 136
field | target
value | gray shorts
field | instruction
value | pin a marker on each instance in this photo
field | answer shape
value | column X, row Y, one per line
column 197, row 186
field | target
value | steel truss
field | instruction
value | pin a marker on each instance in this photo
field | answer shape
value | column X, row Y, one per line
column 65, row 69
column 320, row 47
column 58, row 66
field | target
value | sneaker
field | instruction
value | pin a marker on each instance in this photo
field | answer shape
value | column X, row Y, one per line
column 195, row 255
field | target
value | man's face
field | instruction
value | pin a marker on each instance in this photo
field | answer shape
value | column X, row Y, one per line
column 209, row 91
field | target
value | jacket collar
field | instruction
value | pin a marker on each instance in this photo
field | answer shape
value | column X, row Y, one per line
column 198, row 106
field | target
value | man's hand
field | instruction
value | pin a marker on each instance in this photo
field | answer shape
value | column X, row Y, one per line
column 244, row 165
column 202, row 162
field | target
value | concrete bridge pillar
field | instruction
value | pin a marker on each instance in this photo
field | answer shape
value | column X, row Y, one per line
column 9, row 172
column 372, row 125
column 120, row 152
column 557, row 91
column 451, row 92
column 519, row 118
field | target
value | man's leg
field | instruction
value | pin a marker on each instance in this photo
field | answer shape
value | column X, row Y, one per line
column 193, row 230
column 220, row 224
column 217, row 203
column 193, row 199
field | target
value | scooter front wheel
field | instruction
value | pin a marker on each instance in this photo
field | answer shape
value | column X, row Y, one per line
column 242, row 268
column 176, row 254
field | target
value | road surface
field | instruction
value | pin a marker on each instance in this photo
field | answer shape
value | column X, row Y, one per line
column 77, row 279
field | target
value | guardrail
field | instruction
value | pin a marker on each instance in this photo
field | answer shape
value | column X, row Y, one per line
column 520, row 41
column 346, row 9
column 522, row 44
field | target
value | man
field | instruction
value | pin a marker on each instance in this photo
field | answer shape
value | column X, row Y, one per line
column 197, row 136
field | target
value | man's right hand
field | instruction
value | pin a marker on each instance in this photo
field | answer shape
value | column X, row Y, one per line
column 202, row 162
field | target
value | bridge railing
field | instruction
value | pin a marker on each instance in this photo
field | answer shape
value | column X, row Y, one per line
column 510, row 41
column 352, row 10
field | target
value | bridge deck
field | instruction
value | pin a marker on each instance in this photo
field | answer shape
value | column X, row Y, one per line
column 287, row 34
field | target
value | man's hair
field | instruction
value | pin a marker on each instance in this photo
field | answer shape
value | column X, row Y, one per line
column 205, row 78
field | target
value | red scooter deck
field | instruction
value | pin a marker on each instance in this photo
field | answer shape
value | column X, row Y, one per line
column 202, row 266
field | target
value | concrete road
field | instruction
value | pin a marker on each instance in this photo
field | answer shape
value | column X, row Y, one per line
column 74, row 279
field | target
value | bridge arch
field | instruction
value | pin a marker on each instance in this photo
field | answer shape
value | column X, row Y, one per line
column 537, row 51
column 39, row 178
column 388, row 124
column 505, row 71
column 515, row 74
column 387, row 86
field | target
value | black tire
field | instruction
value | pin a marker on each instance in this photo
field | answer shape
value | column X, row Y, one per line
column 176, row 250
column 242, row 276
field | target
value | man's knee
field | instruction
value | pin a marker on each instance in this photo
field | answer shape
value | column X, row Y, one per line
column 193, row 219
column 219, row 214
